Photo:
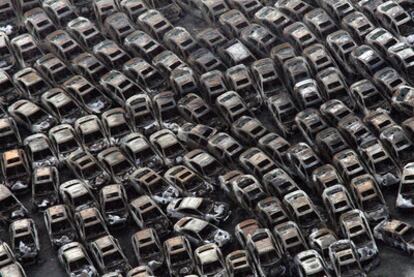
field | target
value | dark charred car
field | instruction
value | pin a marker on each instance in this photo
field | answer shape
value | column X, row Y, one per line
column 225, row 148
column 203, row 208
column 116, row 124
column 379, row 162
column 54, row 70
column 325, row 176
column 284, row 111
column 239, row 263
column 188, row 181
column 200, row 232
column 45, row 181
column 248, row 130
column 303, row 160
column 194, row 109
column 61, row 105
column 145, row 73
column 40, row 151
column 266, row 253
column 24, row 240
column 140, row 113
column 9, row 134
column 209, row 260
column 147, row 181
column 355, row 227
column 15, row 168
column 142, row 44
column 397, row 234
column 402, row 99
column 85, row 32
column 405, row 197
column 232, row 106
column 368, row 97
column 337, row 201
column 111, row 54
column 77, row 195
column 320, row 22
column 256, row 162
column 248, row 191
column 278, row 183
column 368, row 198
column 168, row 147
column 88, row 95
column 25, row 49
column 9, row 90
column 116, row 163
column 309, row 263
column 345, row 259
column 31, row 116
column 140, row 151
column 113, row 203
column 303, row 211
column 196, row 135
column 397, row 143
column 276, row 147
column 320, row 240
column 244, row 229
column 59, row 225
column 334, row 111
column 108, row 254
column 91, row 133
column 90, row 225
column 147, row 214
column 64, row 140
column 87, row 168
column 271, row 213
column 76, row 261
column 7, row 56
column 290, row 239
column 148, row 248
column 154, row 23
column 10, row 207
column 178, row 256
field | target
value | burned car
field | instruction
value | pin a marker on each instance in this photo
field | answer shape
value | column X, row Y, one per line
column 188, row 181
column 178, row 256
column 10, row 207
column 345, row 259
column 116, row 124
column 309, row 262
column 140, row 151
column 209, row 260
column 40, row 151
column 405, row 197
column 31, row 116
column 45, row 181
column 147, row 181
column 87, row 168
column 139, row 111
column 303, row 211
column 199, row 231
column 59, row 225
column 76, row 261
column 24, row 240
column 91, row 133
column 368, row 198
column 396, row 233
column 116, row 163
column 168, row 147
column 15, row 168
column 64, row 140
column 266, row 253
column 147, row 214
column 355, row 227
column 203, row 208
column 148, row 248
column 90, row 225
column 108, row 254
column 77, row 195
column 93, row 99
column 379, row 162
column 113, row 202
column 61, row 105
